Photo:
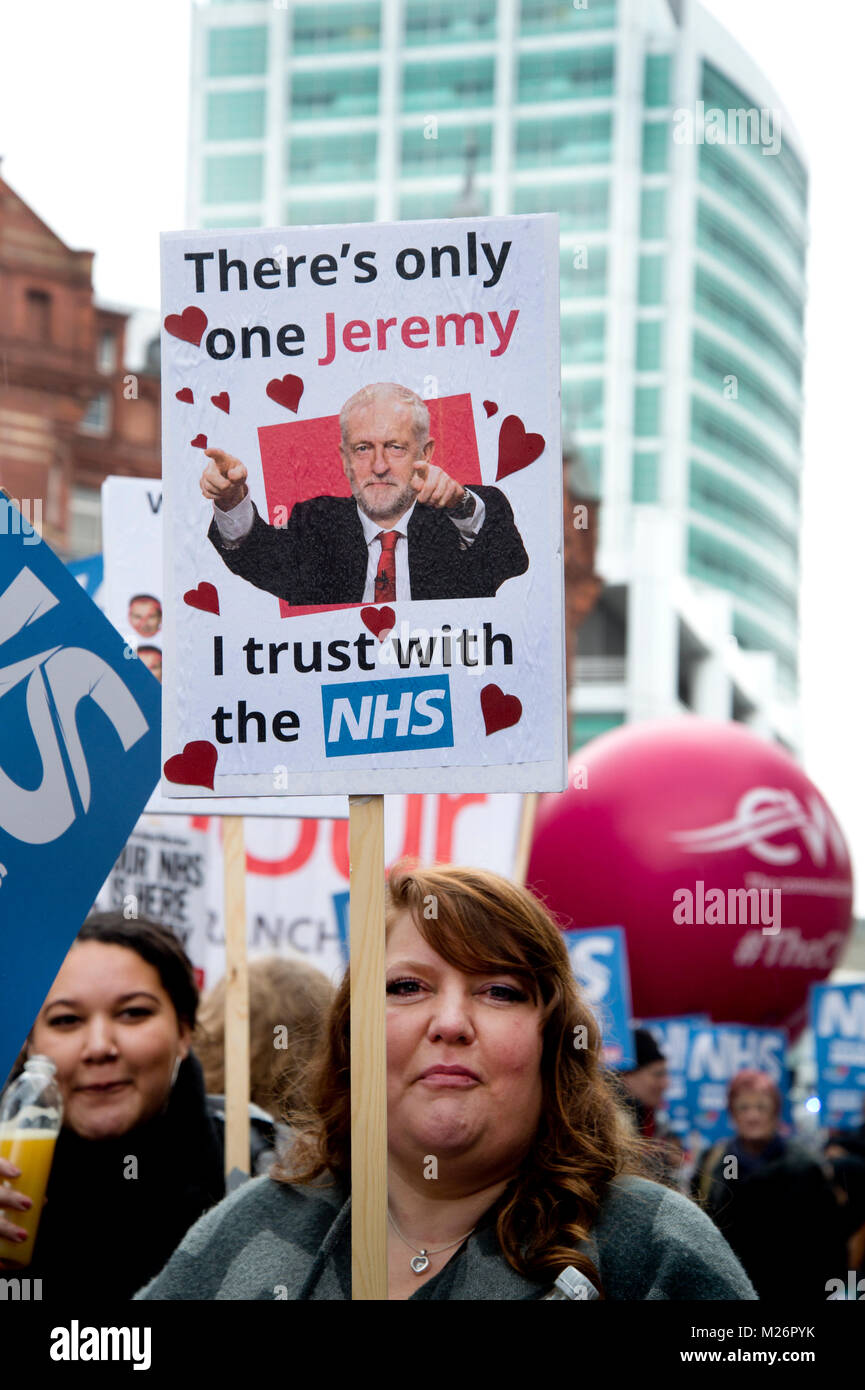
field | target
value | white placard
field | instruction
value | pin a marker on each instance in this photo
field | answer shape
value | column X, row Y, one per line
column 281, row 676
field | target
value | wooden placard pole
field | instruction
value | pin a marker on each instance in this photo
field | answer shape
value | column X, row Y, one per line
column 524, row 837
column 368, row 1053
column 236, row 1003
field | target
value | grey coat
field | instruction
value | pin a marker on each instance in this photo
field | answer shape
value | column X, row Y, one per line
column 272, row 1240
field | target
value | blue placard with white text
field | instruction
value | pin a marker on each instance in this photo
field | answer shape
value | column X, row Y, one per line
column 79, row 756
column 838, row 1021
column 599, row 959
column 716, row 1053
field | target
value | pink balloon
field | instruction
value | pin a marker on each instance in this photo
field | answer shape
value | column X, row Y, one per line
column 659, row 815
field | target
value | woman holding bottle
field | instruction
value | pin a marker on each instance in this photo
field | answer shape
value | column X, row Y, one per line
column 139, row 1157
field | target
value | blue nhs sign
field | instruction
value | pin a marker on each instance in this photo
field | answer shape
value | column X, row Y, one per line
column 387, row 716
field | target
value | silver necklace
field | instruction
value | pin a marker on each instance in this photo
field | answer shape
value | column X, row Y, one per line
column 420, row 1261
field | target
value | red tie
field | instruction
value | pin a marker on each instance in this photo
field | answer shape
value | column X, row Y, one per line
column 385, row 579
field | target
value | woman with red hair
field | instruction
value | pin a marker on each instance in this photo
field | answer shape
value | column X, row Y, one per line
column 769, row 1197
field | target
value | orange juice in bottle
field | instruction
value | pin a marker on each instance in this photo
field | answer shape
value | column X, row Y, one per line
column 31, row 1112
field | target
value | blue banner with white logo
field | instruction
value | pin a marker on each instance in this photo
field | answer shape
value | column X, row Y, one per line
column 599, row 960
column 716, row 1053
column 838, row 1021
column 79, row 756
column 389, row 716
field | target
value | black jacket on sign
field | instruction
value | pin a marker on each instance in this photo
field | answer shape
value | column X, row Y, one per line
column 320, row 555
column 117, row 1209
column 779, row 1214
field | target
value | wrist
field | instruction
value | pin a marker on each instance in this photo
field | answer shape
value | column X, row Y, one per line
column 465, row 508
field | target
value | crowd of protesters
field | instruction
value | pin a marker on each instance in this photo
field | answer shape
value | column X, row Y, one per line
column 544, row 1158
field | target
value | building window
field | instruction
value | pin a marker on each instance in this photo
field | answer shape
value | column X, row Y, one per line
column 656, row 146
column 106, row 358
column 647, row 410
column 235, row 51
column 448, row 153
column 582, row 207
column 651, row 283
column 446, row 84
column 450, row 21
column 583, row 338
column 574, row 140
column 649, row 345
column 233, row 178
column 583, row 404
column 235, row 115
column 336, row 28
column 657, row 80
column 325, row 211
column 583, row 272
column 414, row 206
column 586, row 725
column 333, row 158
column 39, row 315
column 351, row 92
column 97, row 417
column 566, row 76
column 564, row 17
column 653, row 214
column 85, row 522
column 644, row 483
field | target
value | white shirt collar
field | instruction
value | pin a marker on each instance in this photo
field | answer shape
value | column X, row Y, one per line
column 371, row 528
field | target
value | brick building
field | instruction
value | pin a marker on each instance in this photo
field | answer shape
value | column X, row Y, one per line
column 72, row 408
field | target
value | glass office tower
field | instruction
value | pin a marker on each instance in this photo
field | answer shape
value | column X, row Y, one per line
column 681, row 189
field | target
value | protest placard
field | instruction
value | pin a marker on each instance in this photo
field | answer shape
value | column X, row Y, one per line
column 79, row 756
column 838, row 1021
column 673, row 1036
column 599, row 960
column 363, row 558
column 375, row 410
column 716, row 1054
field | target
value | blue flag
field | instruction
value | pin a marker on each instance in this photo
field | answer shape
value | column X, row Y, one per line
column 79, row 757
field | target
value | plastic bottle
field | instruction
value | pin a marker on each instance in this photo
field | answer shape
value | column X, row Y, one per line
column 31, row 1113
column 571, row 1284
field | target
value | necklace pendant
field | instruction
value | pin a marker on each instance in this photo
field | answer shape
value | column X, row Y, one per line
column 419, row 1262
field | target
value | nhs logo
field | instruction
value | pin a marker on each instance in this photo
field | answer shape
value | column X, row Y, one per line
column 387, row 716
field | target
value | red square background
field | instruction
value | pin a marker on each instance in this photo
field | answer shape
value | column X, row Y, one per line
column 301, row 459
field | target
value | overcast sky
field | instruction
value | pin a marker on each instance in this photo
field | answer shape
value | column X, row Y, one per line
column 93, row 102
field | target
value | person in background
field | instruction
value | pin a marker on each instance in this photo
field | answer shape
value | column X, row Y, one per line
column 646, row 1084
column 139, row 1157
column 844, row 1166
column 288, row 1006
column 770, row 1198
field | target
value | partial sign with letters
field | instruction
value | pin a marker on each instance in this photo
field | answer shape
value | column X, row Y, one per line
column 838, row 1021
column 599, row 959
column 716, row 1054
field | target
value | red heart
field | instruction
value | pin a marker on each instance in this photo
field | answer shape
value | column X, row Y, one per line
column 491, row 408
column 194, row 767
column 221, row 401
column 204, row 597
column 516, row 448
column 189, row 326
column 185, row 395
column 286, row 391
column 199, row 442
column 500, row 711
column 378, row 620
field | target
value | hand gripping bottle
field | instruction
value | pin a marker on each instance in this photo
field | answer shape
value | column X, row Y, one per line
column 31, row 1112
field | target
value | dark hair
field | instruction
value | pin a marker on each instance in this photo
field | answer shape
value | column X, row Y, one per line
column 146, row 648
column 583, row 1140
column 158, row 946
